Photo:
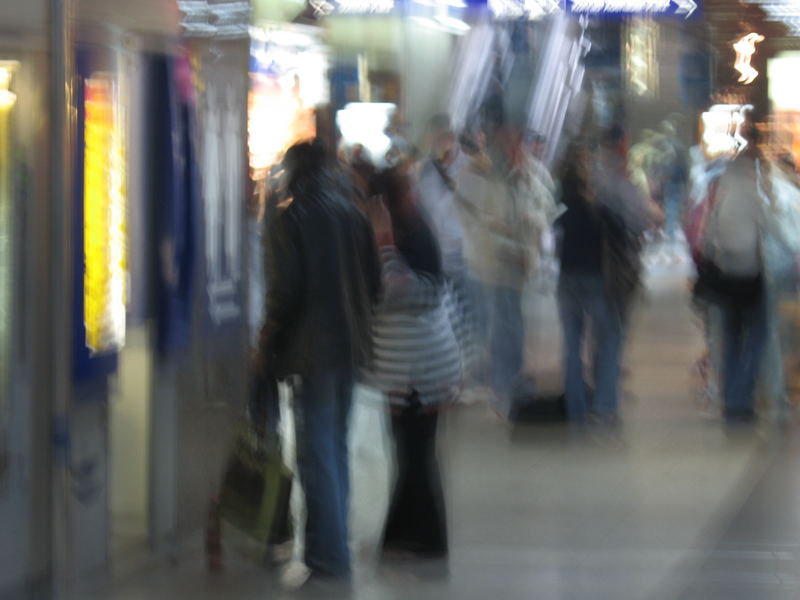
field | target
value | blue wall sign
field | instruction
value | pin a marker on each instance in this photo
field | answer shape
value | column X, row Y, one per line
column 683, row 9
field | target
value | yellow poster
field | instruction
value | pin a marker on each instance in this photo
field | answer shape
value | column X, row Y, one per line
column 104, row 206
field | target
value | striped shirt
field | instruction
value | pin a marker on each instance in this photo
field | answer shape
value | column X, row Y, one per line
column 415, row 348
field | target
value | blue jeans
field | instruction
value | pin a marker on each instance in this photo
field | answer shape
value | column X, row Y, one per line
column 581, row 296
column 322, row 405
column 674, row 192
column 507, row 339
column 744, row 340
column 772, row 377
column 479, row 324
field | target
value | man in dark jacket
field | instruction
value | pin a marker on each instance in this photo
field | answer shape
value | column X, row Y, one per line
column 324, row 278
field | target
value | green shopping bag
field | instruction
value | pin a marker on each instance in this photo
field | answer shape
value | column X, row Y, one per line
column 256, row 490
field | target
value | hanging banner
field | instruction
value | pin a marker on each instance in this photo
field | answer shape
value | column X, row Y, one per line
column 222, row 157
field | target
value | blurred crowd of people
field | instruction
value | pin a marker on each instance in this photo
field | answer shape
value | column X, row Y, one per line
column 411, row 278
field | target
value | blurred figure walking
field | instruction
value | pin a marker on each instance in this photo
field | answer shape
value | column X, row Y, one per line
column 582, row 294
column 324, row 278
column 731, row 275
column 625, row 215
column 517, row 213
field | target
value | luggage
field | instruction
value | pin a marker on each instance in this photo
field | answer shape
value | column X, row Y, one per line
column 256, row 490
column 540, row 409
column 541, row 403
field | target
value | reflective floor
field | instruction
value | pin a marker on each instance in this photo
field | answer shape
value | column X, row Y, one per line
column 675, row 506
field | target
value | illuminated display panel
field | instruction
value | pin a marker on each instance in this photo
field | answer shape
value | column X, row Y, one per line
column 288, row 78
column 104, row 218
column 784, row 94
column 641, row 56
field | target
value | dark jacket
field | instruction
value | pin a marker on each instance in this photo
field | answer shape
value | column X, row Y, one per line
column 581, row 229
column 324, row 281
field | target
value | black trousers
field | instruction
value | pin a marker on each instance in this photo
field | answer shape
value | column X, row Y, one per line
column 416, row 522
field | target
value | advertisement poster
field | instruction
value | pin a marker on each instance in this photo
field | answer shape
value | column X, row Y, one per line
column 221, row 108
column 100, row 220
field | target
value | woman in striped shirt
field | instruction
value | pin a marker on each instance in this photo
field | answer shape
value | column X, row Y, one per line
column 417, row 364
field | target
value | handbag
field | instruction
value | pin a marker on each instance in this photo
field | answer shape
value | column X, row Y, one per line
column 256, row 488
column 715, row 285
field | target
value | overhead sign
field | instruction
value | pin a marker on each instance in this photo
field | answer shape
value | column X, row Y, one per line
column 323, row 8
column 519, row 9
column 675, row 8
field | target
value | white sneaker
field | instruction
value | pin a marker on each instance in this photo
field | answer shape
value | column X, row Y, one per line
column 295, row 576
column 279, row 554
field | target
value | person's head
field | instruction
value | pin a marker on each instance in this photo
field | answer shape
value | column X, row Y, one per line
column 304, row 166
column 648, row 136
column 616, row 140
column 438, row 124
column 472, row 142
column 536, row 144
column 508, row 140
column 575, row 174
column 395, row 188
column 444, row 146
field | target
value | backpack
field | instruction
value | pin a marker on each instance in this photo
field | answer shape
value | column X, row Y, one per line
column 728, row 253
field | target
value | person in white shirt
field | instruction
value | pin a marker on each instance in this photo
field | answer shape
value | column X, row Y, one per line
column 506, row 210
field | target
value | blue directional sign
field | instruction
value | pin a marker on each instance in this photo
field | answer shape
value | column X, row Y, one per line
column 684, row 9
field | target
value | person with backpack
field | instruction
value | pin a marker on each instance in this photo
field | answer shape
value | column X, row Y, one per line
column 731, row 275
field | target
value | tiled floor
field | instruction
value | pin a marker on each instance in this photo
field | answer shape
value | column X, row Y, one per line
column 663, row 511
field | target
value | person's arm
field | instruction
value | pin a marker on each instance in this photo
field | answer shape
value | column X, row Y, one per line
column 284, row 267
column 783, row 212
column 638, row 212
column 402, row 287
column 405, row 289
column 370, row 263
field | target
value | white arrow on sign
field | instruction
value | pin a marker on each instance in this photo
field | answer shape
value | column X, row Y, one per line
column 685, row 7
